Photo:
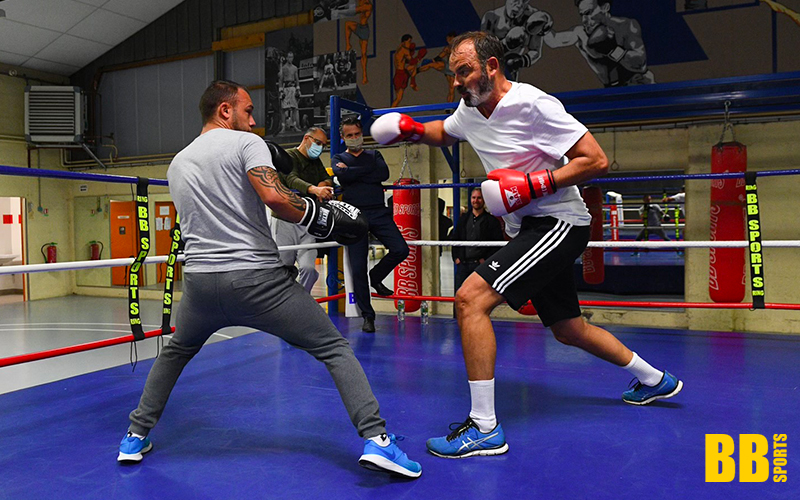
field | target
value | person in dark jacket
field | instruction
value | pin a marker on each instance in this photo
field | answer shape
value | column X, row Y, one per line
column 445, row 224
column 361, row 173
column 475, row 225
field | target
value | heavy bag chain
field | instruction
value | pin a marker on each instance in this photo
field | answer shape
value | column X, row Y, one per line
column 727, row 125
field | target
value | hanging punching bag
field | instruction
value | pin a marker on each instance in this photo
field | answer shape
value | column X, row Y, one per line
column 726, row 273
column 594, row 271
column 408, row 274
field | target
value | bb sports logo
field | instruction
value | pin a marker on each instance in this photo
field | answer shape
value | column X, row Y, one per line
column 755, row 462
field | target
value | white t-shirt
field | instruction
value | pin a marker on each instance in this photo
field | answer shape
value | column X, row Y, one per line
column 528, row 131
column 680, row 197
column 223, row 220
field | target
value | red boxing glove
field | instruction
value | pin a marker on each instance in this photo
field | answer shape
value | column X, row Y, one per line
column 517, row 189
column 542, row 183
column 395, row 127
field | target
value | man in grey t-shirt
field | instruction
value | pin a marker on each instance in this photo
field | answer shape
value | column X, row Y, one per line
column 234, row 275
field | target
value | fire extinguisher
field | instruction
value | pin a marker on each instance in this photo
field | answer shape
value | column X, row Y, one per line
column 50, row 254
column 96, row 250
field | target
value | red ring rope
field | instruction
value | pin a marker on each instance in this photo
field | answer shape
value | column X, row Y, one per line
column 99, row 344
column 36, row 356
column 637, row 304
column 61, row 351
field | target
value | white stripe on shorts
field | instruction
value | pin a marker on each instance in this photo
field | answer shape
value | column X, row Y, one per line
column 548, row 243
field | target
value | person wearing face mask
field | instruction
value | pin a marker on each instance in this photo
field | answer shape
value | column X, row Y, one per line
column 361, row 173
column 309, row 177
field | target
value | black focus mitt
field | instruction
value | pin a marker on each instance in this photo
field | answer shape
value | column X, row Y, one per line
column 337, row 219
column 280, row 158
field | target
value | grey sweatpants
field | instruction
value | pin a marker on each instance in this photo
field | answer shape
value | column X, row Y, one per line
column 287, row 233
column 269, row 300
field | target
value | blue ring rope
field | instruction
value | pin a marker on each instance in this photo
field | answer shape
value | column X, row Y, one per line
column 62, row 174
column 606, row 180
column 124, row 179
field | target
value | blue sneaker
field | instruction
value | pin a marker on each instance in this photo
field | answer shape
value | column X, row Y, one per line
column 641, row 394
column 132, row 448
column 389, row 458
column 467, row 440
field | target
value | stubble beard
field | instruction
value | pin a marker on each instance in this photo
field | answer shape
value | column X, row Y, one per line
column 477, row 96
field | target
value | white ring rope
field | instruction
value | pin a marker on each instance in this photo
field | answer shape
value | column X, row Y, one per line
column 623, row 244
column 94, row 264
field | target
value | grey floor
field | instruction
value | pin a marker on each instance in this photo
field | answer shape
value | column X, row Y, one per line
column 28, row 327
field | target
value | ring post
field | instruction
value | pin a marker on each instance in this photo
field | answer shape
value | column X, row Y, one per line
column 333, row 253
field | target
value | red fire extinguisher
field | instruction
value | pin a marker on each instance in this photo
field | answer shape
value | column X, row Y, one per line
column 96, row 250
column 49, row 252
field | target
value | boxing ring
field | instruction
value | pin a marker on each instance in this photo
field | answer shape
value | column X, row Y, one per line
column 569, row 434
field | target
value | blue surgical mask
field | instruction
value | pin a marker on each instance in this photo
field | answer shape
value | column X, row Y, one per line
column 314, row 150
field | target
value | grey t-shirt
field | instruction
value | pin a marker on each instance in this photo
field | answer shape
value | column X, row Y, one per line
column 223, row 220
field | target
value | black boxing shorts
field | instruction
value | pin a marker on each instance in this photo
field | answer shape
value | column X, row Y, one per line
column 537, row 266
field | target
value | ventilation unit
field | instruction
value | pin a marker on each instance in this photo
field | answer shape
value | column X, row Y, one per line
column 53, row 115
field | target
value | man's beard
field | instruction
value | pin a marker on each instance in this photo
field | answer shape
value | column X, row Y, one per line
column 239, row 125
column 475, row 97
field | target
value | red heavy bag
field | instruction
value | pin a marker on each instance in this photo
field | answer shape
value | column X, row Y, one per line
column 408, row 275
column 527, row 309
column 594, row 270
column 726, row 272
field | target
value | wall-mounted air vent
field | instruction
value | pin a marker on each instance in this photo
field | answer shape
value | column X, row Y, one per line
column 53, row 114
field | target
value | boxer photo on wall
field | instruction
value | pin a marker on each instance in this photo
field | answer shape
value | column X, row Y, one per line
column 333, row 74
column 285, row 49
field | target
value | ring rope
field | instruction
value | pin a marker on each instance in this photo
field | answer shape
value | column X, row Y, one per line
column 624, row 303
column 78, row 265
column 94, row 264
column 123, row 179
column 623, row 244
column 607, row 180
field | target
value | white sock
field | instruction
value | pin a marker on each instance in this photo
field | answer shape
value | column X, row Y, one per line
column 381, row 440
column 137, row 436
column 482, row 412
column 646, row 374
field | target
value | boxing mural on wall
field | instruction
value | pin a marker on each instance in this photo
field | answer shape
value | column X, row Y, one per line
column 783, row 9
column 329, row 10
column 612, row 46
column 441, row 63
column 401, row 46
column 520, row 27
column 360, row 29
column 407, row 59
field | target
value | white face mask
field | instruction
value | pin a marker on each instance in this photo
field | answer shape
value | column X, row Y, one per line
column 355, row 143
column 314, row 150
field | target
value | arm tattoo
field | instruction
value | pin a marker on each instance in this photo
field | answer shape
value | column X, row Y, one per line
column 268, row 178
